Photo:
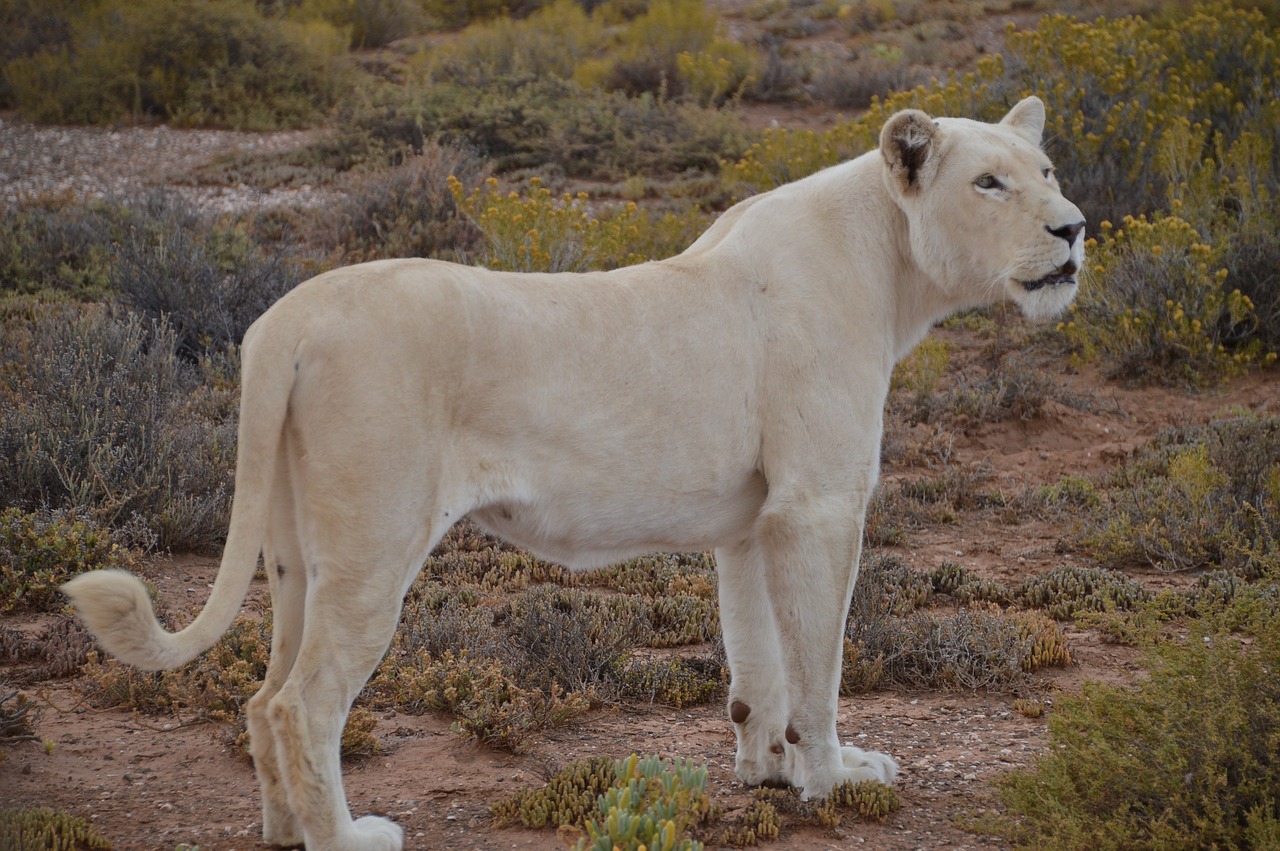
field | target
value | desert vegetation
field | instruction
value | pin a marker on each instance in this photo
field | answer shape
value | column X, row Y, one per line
column 574, row 136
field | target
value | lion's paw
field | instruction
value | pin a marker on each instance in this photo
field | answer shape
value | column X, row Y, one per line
column 857, row 766
column 281, row 828
column 290, row 837
column 374, row 833
column 768, row 772
column 878, row 766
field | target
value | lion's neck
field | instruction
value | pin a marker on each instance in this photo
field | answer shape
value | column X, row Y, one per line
column 880, row 229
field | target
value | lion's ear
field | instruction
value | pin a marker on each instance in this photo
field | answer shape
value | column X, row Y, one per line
column 1027, row 119
column 908, row 143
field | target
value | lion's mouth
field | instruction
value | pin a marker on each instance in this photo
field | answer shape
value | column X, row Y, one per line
column 1064, row 276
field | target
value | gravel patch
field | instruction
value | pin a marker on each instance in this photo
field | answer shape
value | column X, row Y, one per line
column 103, row 162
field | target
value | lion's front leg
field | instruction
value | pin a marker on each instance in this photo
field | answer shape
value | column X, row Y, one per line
column 810, row 552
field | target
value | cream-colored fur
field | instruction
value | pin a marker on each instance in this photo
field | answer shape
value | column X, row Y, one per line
column 727, row 398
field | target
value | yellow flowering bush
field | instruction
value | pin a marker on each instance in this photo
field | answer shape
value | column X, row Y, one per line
column 1156, row 304
column 538, row 232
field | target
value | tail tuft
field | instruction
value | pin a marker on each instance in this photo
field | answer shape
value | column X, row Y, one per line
column 116, row 608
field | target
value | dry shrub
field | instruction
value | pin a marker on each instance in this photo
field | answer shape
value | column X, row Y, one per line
column 16, row 717
column 103, row 419
column 56, row 651
column 408, row 210
column 852, row 82
column 914, row 649
column 205, row 279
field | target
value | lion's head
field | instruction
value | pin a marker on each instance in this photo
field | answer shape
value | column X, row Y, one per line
column 984, row 208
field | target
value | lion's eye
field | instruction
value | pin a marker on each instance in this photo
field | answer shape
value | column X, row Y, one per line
column 1048, row 172
column 988, row 181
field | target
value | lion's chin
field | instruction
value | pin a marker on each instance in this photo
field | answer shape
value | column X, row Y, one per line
column 1045, row 298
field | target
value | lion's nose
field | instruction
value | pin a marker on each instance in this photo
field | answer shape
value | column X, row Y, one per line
column 1067, row 232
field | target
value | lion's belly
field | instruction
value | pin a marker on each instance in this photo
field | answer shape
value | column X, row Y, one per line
column 582, row 529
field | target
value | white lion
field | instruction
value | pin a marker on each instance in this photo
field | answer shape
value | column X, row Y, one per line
column 729, row 398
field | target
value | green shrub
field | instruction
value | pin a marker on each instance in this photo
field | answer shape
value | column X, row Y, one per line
column 1068, row 493
column 41, row 550
column 543, row 123
column 566, row 800
column 488, row 704
column 673, row 681
column 30, row 26
column 1174, row 120
column 190, row 63
column 1066, row 591
column 1119, row 93
column 1184, row 759
column 1157, row 307
column 919, row 372
column 215, row 686
column 961, row 583
column 452, row 14
column 651, row 804
column 869, row 801
column 759, row 822
column 675, row 49
column 44, row 829
column 55, row 246
column 551, row 42
column 1206, row 497
column 368, row 23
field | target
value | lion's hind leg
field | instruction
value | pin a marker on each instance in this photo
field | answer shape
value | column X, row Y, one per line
column 282, row 561
column 360, row 558
column 350, row 622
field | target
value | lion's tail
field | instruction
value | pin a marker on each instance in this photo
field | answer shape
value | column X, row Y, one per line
column 115, row 605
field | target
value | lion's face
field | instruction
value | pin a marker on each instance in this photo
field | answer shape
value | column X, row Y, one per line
column 984, row 207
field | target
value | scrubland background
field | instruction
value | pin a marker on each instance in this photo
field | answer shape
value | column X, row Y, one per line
column 1077, row 531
